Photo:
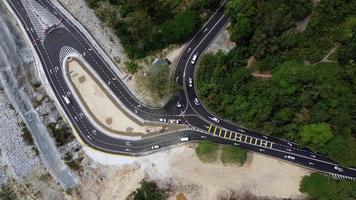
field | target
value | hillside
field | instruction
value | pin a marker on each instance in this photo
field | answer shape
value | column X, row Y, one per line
column 308, row 51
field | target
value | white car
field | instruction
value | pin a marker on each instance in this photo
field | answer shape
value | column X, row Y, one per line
column 196, row 102
column 164, row 120
column 262, row 150
column 214, row 119
column 338, row 169
column 155, row 147
column 194, row 59
column 290, row 157
column 179, row 105
column 311, row 163
column 190, row 82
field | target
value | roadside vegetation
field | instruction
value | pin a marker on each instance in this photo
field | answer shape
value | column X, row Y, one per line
column 309, row 98
column 233, row 155
column 148, row 190
column 7, row 193
column 318, row 186
column 209, row 152
column 145, row 26
column 62, row 135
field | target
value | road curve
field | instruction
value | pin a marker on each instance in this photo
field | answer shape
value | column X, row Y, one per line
column 54, row 37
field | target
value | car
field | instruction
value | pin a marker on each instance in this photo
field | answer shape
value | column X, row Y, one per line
column 313, row 156
column 289, row 144
column 196, row 102
column 337, row 168
column 236, row 144
column 179, row 105
column 190, row 82
column 155, row 147
column 203, row 137
column 164, row 120
column 184, row 139
column 174, row 121
column 289, row 150
column 241, row 130
column 265, row 137
column 194, row 59
column 262, row 150
column 311, row 163
column 214, row 119
column 289, row 157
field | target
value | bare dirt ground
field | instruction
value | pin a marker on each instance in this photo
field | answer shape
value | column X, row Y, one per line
column 101, row 106
column 222, row 42
column 180, row 170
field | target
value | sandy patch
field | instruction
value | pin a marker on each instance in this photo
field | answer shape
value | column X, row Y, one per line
column 100, row 105
column 181, row 170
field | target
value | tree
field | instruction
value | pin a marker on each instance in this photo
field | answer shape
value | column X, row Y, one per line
column 315, row 135
column 321, row 187
column 179, row 28
column 314, row 185
column 158, row 80
column 148, row 190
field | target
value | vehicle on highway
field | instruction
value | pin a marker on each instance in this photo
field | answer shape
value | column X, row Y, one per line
column 196, row 102
column 66, row 99
column 241, row 130
column 338, row 168
column 155, row 147
column 311, row 163
column 236, row 144
column 203, row 137
column 289, row 157
column 174, row 121
column 184, row 139
column 164, row 120
column 214, row 119
column 179, row 105
column 289, row 150
column 262, row 150
column 190, row 82
column 194, row 59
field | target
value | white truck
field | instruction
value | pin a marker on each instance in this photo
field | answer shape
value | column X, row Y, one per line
column 184, row 139
column 66, row 99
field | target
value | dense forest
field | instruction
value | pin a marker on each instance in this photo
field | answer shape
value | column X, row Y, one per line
column 145, row 26
column 307, row 97
column 322, row 187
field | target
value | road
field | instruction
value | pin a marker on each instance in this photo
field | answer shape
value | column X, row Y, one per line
column 55, row 38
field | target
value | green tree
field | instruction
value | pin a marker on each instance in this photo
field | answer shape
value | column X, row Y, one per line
column 148, row 190
column 158, row 80
column 315, row 135
column 321, row 187
column 179, row 28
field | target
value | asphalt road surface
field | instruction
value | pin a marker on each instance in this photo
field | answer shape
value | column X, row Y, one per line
column 55, row 37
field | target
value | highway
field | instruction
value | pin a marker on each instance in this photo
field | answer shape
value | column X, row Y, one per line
column 55, row 38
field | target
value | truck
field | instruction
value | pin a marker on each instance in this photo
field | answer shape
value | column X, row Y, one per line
column 66, row 99
column 184, row 139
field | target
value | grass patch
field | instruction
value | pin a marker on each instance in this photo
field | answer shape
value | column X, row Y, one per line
column 207, row 151
column 233, row 155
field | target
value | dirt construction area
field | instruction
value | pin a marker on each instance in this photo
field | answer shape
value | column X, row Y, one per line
column 180, row 170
